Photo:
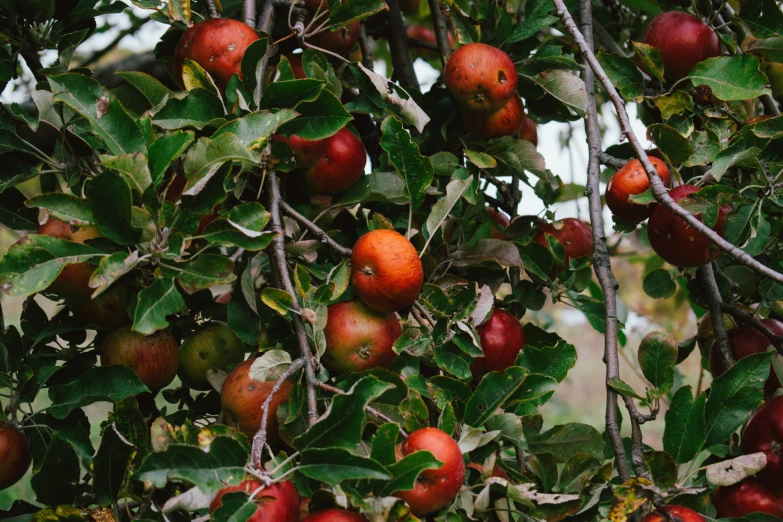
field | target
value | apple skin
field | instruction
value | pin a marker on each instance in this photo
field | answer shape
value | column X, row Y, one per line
column 502, row 338
column 528, row 132
column 676, row 241
column 501, row 220
column 764, row 432
column 746, row 340
column 296, row 66
column 15, row 455
column 481, row 78
column 434, row 488
column 506, row 121
column 340, row 41
column 241, row 399
column 74, row 278
column 217, row 45
column 358, row 338
column 749, row 496
column 705, row 333
column 675, row 514
column 213, row 346
column 334, row 515
column 154, row 358
column 386, row 271
column 107, row 310
column 575, row 235
column 278, row 502
column 683, row 40
column 174, row 191
column 631, row 180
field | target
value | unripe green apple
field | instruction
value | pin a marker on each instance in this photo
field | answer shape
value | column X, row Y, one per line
column 214, row 346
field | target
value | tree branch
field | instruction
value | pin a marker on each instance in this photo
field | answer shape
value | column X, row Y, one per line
column 611, row 161
column 367, row 60
column 657, row 186
column 707, row 278
column 213, row 12
column 249, row 12
column 402, row 62
column 441, row 31
column 755, row 322
column 267, row 17
column 315, row 229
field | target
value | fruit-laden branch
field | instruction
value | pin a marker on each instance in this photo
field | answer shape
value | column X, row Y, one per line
column 259, row 439
column 280, row 265
column 441, row 31
column 402, row 61
column 372, row 411
column 707, row 278
column 315, row 229
column 601, row 261
column 755, row 322
column 658, row 188
column 213, row 12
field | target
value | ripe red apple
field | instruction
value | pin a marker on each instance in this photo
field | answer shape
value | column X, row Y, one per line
column 242, row 397
column 296, row 66
column 214, row 346
column 481, row 77
column 107, row 310
column 15, row 455
column 746, row 340
column 278, row 502
column 749, row 496
column 631, row 180
column 672, row 513
column 328, row 166
column 575, row 235
column 217, row 45
column 683, row 40
column 434, row 488
column 501, row 220
column 506, row 121
column 154, row 358
column 339, row 41
column 705, row 333
column 764, row 432
column 74, row 278
column 502, row 338
column 334, row 515
column 676, row 241
column 528, row 132
column 358, row 338
column 386, row 271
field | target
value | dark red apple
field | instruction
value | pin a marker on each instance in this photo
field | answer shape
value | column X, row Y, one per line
column 506, row 121
column 746, row 340
column 672, row 513
column 683, row 40
column 501, row 220
column 276, row 503
column 296, row 66
column 631, row 180
column 339, row 41
column 154, row 358
column 15, row 456
column 749, row 496
column 528, row 132
column 107, row 310
column 502, row 338
column 575, row 235
column 334, row 515
column 481, row 77
column 764, row 432
column 74, row 278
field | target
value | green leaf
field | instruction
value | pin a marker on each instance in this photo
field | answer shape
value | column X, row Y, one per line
column 110, row 465
column 353, row 10
column 566, row 440
column 253, row 62
column 622, row 387
column 658, row 284
column 291, row 93
column 205, row 158
column 731, row 77
column 671, row 143
column 334, row 465
column 577, row 473
column 148, row 86
column 673, row 104
column 202, row 272
column 657, row 358
column 407, row 470
column 111, row 199
column 15, row 171
column 504, row 253
column 378, row 186
column 56, row 474
column 278, row 300
column 535, row 391
column 255, row 129
column 155, row 302
column 415, row 169
column 65, row 207
column 624, row 74
column 318, row 119
column 440, row 210
column 133, row 166
column 552, row 361
column 110, row 269
column 530, row 27
column 684, row 431
column 518, row 155
column 103, row 383
column 493, row 390
column 234, row 507
column 565, row 87
column 652, row 59
column 198, row 109
column 166, row 149
column 390, row 97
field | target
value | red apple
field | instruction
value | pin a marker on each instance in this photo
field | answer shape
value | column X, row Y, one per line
column 481, row 77
column 217, row 45
column 215, row 346
column 15, row 455
column 631, row 180
column 296, row 66
column 672, row 513
column 705, row 334
column 174, row 191
column 278, row 502
column 683, row 40
column 107, row 310
column 339, row 41
column 506, row 121
column 358, row 338
column 154, row 358
column 334, row 515
column 502, row 338
column 501, row 220
column 528, row 132
column 497, row 471
column 434, row 488
column 575, row 235
column 676, row 241
column 74, row 278
column 749, row 496
column 764, row 432
column 746, row 340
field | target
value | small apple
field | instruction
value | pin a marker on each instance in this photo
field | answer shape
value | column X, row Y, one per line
column 481, row 78
column 764, row 432
column 434, row 488
column 676, row 241
column 506, row 121
column 241, row 399
column 502, row 338
column 631, row 180
column 386, row 271
column 747, row 340
column 15, row 455
column 683, row 40
column 339, row 41
column 213, row 346
column 107, row 310
column 748, row 496
column 334, row 515
column 154, row 358
column 501, row 220
column 74, row 278
column 671, row 513
column 278, row 502
column 575, row 235
column 358, row 338
column 528, row 132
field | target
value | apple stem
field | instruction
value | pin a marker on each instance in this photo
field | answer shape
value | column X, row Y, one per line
column 707, row 277
column 315, row 229
column 441, row 31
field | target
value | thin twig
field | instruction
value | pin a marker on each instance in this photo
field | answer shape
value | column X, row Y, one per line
column 402, row 62
column 423, row 311
column 315, row 229
column 611, row 161
column 755, row 322
column 441, row 31
column 657, row 186
column 707, row 278
column 212, row 8
column 372, row 411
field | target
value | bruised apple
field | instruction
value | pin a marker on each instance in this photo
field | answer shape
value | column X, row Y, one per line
column 481, row 78
column 528, row 132
column 502, row 338
column 278, row 502
column 214, row 346
column 15, row 456
column 506, row 121
column 501, row 221
column 631, row 180
column 154, row 358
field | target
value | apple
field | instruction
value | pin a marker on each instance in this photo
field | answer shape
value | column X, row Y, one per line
column 502, row 338
column 671, row 513
column 434, row 488
column 631, row 180
column 217, row 45
column 339, row 41
column 214, row 346
column 107, row 310
column 528, row 132
column 705, row 333
column 278, row 502
column 328, row 166
column 774, row 72
column 497, row 471
column 334, row 515
column 764, row 432
column 575, row 235
column 501, row 220
column 506, row 121
column 676, row 241
column 15, row 455
column 481, row 78
column 386, row 271
column 358, row 338
column 683, row 41
column 74, row 278
column 241, row 399
column 748, row 496
column 154, row 358
column 424, row 33
column 746, row 340
column 296, row 66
